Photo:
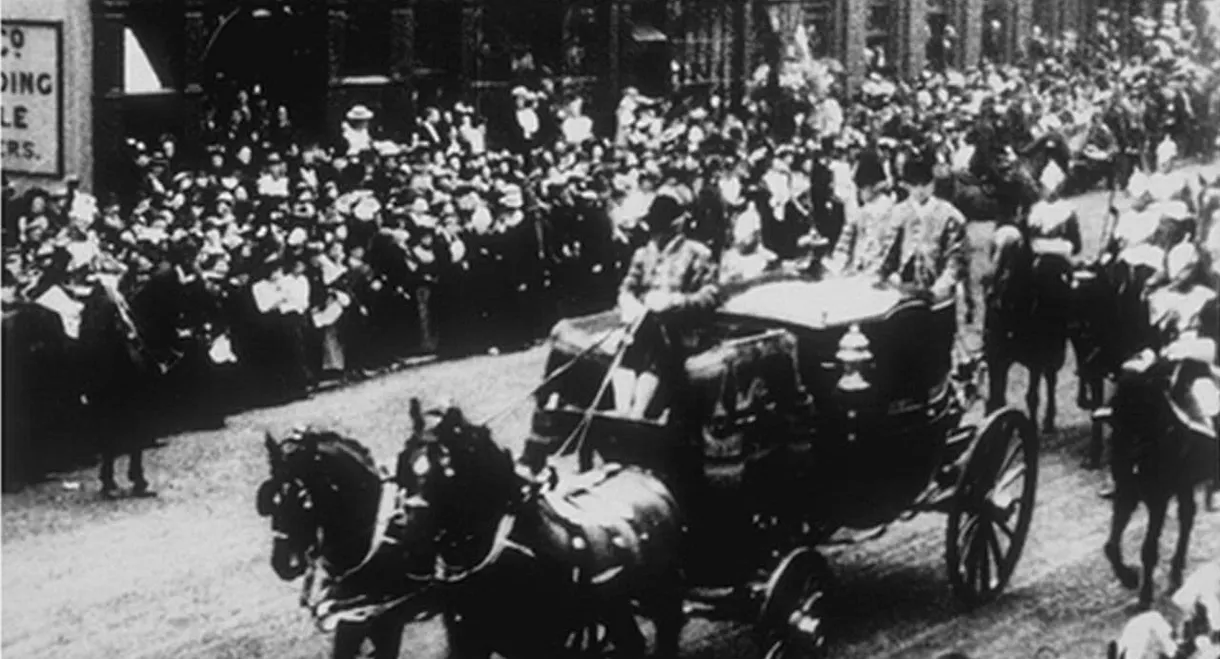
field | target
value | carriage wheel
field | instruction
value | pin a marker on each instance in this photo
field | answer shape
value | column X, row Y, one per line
column 793, row 607
column 992, row 507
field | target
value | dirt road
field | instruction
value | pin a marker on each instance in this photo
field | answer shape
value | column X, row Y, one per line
column 187, row 574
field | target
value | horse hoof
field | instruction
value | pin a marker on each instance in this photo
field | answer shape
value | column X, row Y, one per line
column 1127, row 575
column 1048, row 427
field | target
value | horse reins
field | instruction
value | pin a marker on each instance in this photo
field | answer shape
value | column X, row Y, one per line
column 499, row 544
column 325, row 619
column 555, row 375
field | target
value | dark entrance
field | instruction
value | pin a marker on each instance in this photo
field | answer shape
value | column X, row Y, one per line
column 280, row 48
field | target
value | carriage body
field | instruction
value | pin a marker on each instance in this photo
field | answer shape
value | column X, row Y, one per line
column 776, row 425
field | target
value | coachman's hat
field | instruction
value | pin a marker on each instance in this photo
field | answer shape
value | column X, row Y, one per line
column 918, row 170
column 869, row 170
column 664, row 210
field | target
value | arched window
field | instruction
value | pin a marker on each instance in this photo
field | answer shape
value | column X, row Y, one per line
column 366, row 50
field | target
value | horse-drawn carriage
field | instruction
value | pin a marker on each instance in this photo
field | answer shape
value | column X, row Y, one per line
column 816, row 409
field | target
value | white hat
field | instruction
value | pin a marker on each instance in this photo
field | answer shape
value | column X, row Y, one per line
column 359, row 113
column 747, row 225
column 366, row 209
column 1172, row 210
column 386, row 148
column 512, row 197
column 1181, row 259
column 297, row 237
column 1144, row 254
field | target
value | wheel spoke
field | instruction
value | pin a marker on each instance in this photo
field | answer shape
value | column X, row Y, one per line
column 1008, row 477
column 1015, row 450
column 969, row 529
column 1008, row 533
column 969, row 558
column 1001, row 559
column 984, row 560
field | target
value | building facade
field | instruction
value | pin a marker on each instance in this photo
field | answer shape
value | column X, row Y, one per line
column 140, row 68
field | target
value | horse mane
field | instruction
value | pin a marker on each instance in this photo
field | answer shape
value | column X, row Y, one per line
column 353, row 447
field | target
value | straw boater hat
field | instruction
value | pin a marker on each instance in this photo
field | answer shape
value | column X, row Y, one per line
column 359, row 113
column 512, row 197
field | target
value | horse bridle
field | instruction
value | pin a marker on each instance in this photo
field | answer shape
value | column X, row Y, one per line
column 501, row 542
column 350, row 610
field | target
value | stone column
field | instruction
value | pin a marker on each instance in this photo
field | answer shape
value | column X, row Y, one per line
column 912, row 37
column 567, row 40
column 675, row 29
column 970, row 31
column 402, row 66
column 109, row 127
column 472, row 39
column 1018, row 25
column 749, row 49
column 336, row 38
column 854, row 16
column 197, row 31
column 402, row 41
column 614, row 49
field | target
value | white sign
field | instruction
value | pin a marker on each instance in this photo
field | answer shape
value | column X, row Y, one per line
column 31, row 109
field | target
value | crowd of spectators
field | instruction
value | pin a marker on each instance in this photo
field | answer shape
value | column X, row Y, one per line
column 311, row 259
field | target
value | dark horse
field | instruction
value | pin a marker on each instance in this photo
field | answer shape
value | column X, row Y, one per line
column 580, row 556
column 1105, row 330
column 323, row 498
column 1027, row 319
column 37, row 398
column 1162, row 448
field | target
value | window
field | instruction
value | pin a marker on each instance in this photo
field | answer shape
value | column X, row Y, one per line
column 994, row 31
column 879, row 39
column 820, row 26
column 521, row 38
column 586, row 49
column 939, row 48
column 438, row 37
column 366, row 50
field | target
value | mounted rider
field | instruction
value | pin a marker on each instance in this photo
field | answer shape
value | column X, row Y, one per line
column 987, row 136
column 1101, row 144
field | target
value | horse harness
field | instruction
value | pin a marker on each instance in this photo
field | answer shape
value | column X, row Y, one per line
column 318, row 582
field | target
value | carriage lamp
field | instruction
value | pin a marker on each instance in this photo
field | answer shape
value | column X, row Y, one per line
column 855, row 356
